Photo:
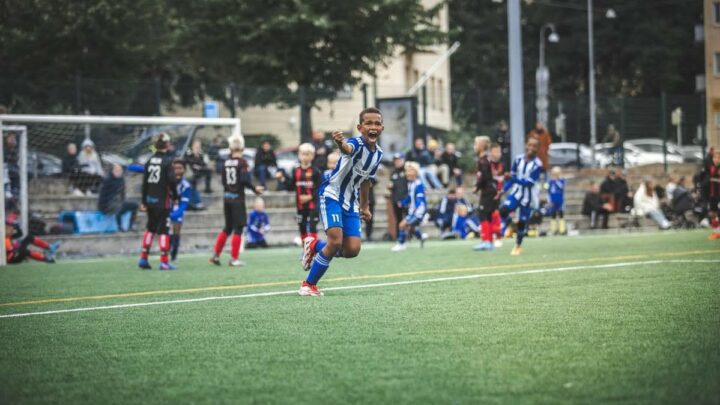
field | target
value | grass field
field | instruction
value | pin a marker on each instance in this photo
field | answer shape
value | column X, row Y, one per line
column 632, row 319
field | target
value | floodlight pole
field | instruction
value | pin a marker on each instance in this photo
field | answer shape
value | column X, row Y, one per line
column 517, row 111
column 591, row 83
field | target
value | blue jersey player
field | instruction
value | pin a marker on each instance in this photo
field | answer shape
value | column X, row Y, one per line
column 184, row 189
column 523, row 190
column 258, row 225
column 417, row 207
column 341, row 208
column 556, row 202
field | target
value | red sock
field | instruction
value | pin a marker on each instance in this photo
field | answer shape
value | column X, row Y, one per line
column 220, row 243
column 496, row 224
column 164, row 243
column 146, row 243
column 312, row 234
column 486, row 231
column 235, row 246
column 40, row 243
column 303, row 235
column 715, row 224
column 37, row 256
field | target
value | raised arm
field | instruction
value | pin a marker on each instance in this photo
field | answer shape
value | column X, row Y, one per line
column 339, row 139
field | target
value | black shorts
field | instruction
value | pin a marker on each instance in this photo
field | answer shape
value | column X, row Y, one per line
column 714, row 204
column 487, row 206
column 235, row 215
column 308, row 217
column 158, row 220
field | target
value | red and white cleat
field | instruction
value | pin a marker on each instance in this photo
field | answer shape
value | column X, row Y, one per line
column 308, row 252
column 309, row 290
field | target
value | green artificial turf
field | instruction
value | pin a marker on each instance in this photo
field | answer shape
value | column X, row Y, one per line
column 647, row 331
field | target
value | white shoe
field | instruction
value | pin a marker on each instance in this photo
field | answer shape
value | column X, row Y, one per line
column 498, row 243
column 297, row 241
column 308, row 290
column 399, row 248
column 77, row 193
column 237, row 263
column 308, row 252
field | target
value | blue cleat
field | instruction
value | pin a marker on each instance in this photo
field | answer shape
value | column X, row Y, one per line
column 144, row 264
column 167, row 266
column 53, row 247
column 483, row 246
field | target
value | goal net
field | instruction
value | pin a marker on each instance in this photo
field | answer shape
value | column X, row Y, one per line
column 56, row 163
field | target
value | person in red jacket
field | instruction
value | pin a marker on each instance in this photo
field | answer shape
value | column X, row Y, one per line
column 17, row 248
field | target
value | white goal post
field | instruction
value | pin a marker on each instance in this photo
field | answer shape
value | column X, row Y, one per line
column 19, row 124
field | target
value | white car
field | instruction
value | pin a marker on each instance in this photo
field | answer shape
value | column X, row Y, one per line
column 653, row 149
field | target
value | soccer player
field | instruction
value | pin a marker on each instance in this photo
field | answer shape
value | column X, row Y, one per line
column 523, row 192
column 487, row 187
column 332, row 160
column 17, row 250
column 184, row 189
column 556, row 206
column 341, row 209
column 498, row 172
column 714, row 195
column 305, row 180
column 258, row 224
column 158, row 194
column 417, row 207
column 235, row 178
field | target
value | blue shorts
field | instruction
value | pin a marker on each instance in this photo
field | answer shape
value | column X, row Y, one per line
column 512, row 204
column 334, row 216
column 552, row 208
column 412, row 220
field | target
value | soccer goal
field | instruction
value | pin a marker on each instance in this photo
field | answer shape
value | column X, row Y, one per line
column 42, row 179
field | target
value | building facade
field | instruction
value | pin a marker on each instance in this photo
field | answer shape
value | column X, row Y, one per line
column 712, row 70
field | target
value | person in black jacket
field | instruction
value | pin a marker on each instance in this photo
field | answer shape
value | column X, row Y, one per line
column 265, row 163
column 450, row 166
column 111, row 200
column 594, row 206
column 158, row 196
column 71, row 168
column 398, row 189
column 199, row 162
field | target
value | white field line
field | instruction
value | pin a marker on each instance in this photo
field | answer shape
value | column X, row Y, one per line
column 357, row 287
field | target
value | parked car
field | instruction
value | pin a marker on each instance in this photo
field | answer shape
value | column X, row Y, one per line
column 653, row 148
column 634, row 156
column 41, row 164
column 565, row 154
column 692, row 153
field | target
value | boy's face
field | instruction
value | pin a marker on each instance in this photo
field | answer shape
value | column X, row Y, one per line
column 555, row 175
column 531, row 147
column 117, row 171
column 399, row 163
column 259, row 205
column 716, row 158
column 332, row 162
column 371, row 127
column 179, row 170
column 495, row 154
column 306, row 157
column 410, row 173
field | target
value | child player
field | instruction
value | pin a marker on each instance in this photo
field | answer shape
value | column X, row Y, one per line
column 523, row 191
column 17, row 250
column 341, row 209
column 184, row 189
column 332, row 160
column 556, row 200
column 415, row 201
column 258, row 224
column 305, row 180
column 498, row 172
column 158, row 194
column 487, row 187
column 235, row 178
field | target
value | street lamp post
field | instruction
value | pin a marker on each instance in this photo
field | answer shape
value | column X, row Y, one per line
column 542, row 75
column 610, row 14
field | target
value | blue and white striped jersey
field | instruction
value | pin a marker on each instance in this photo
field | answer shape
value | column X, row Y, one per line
column 351, row 171
column 416, row 199
column 524, row 178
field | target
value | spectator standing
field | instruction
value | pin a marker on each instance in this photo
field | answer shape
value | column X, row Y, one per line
column 616, row 148
column 398, row 189
column 214, row 152
column 423, row 157
column 502, row 138
column 265, row 163
column 199, row 163
column 594, row 207
column 12, row 159
column 322, row 149
column 91, row 170
column 111, row 200
column 71, row 168
column 646, row 203
column 545, row 138
column 450, row 166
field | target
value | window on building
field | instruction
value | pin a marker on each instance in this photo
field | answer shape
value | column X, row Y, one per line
column 431, row 95
column 716, row 12
column 717, row 120
column 441, row 95
column 717, row 64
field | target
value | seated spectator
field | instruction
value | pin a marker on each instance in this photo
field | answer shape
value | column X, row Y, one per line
column 199, row 164
column 594, row 206
column 446, row 209
column 71, row 168
column 450, row 166
column 683, row 204
column 623, row 196
column 608, row 189
column 111, row 200
column 258, row 225
column 424, row 158
column 214, row 152
column 265, row 163
column 646, row 203
column 462, row 223
column 91, row 170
